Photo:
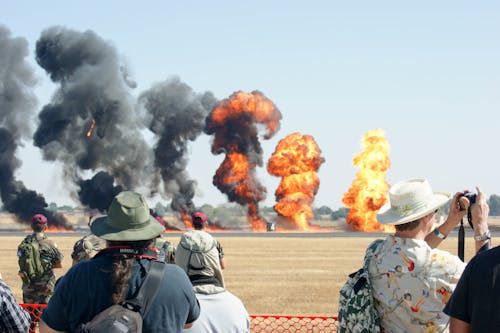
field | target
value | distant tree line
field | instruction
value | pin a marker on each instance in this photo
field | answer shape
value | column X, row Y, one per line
column 230, row 210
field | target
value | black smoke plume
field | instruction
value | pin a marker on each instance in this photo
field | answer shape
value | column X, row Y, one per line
column 176, row 115
column 235, row 123
column 17, row 105
column 99, row 191
column 90, row 123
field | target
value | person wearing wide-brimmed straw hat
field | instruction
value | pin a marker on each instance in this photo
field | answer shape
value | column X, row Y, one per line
column 116, row 273
column 412, row 279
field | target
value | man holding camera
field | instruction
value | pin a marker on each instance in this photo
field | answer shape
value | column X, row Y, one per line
column 475, row 303
column 411, row 279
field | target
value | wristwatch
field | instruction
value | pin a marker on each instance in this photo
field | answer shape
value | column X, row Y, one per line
column 439, row 233
column 485, row 236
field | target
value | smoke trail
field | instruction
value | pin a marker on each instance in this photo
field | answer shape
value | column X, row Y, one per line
column 90, row 123
column 176, row 115
column 17, row 104
column 233, row 122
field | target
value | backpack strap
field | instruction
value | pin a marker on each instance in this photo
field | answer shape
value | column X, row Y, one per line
column 370, row 251
column 368, row 255
column 149, row 288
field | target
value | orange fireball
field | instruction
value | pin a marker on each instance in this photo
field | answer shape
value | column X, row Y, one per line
column 368, row 191
column 297, row 159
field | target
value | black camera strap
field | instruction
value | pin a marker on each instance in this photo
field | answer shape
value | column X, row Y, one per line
column 461, row 240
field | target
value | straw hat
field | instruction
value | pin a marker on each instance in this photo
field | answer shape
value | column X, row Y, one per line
column 128, row 219
column 410, row 200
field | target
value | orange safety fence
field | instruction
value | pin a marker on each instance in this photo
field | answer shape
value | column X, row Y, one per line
column 259, row 323
column 35, row 311
column 292, row 324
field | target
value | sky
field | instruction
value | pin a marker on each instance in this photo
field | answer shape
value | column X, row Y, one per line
column 427, row 73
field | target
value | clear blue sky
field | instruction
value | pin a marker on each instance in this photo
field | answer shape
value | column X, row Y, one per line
column 426, row 72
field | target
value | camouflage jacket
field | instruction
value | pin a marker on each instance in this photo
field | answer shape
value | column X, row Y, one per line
column 87, row 247
column 167, row 250
column 50, row 256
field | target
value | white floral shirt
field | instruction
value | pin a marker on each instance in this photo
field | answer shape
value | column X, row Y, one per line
column 411, row 284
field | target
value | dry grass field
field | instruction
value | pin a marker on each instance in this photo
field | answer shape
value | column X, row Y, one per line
column 272, row 275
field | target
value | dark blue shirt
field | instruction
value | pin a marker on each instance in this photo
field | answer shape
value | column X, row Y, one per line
column 86, row 290
column 476, row 299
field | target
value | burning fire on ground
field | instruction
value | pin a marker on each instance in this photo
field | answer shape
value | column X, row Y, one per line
column 368, row 192
column 233, row 122
column 296, row 159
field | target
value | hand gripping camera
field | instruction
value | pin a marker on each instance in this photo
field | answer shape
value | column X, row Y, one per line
column 467, row 204
column 465, row 201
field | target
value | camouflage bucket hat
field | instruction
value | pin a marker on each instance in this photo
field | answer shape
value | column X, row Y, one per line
column 198, row 256
column 128, row 219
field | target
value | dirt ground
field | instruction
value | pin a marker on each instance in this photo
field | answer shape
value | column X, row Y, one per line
column 272, row 275
column 283, row 276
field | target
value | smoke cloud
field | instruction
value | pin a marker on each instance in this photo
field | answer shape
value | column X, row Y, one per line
column 234, row 124
column 176, row 115
column 17, row 105
column 99, row 191
column 90, row 123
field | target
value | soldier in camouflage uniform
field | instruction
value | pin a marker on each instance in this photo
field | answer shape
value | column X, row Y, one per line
column 86, row 248
column 39, row 290
column 167, row 250
column 89, row 245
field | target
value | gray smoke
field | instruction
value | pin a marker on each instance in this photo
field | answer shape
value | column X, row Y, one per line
column 176, row 115
column 93, row 88
column 17, row 106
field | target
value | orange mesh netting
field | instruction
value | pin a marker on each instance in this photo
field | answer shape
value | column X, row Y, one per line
column 35, row 311
column 292, row 324
column 259, row 323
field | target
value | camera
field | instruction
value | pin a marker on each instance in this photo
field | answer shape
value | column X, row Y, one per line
column 472, row 200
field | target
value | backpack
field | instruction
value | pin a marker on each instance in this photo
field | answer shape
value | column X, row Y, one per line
column 357, row 313
column 30, row 263
column 126, row 317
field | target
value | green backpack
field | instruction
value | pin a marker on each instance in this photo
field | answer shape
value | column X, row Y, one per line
column 30, row 263
column 357, row 313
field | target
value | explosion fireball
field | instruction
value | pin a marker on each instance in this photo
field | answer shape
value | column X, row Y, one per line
column 368, row 191
column 297, row 159
column 233, row 123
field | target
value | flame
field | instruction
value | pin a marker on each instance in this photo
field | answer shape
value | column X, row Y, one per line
column 186, row 218
column 233, row 123
column 57, row 229
column 297, row 159
column 52, row 228
column 91, row 128
column 368, row 192
column 255, row 105
column 236, row 171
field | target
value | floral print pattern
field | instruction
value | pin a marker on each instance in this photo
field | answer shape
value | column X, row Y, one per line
column 411, row 284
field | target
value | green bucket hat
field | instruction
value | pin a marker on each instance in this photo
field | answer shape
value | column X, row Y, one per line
column 128, row 219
